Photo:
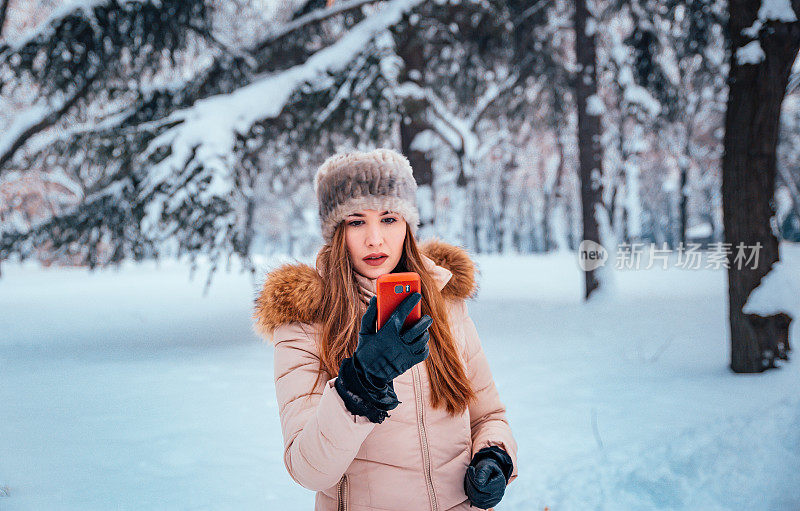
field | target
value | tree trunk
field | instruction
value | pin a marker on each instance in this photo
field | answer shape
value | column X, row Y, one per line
column 589, row 151
column 553, row 199
column 410, row 127
column 501, row 217
column 756, row 91
column 472, row 193
column 684, row 166
column 3, row 10
column 413, row 123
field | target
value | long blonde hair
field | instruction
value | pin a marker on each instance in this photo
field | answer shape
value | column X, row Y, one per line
column 342, row 310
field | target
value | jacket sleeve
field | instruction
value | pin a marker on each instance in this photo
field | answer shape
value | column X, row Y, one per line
column 320, row 436
column 486, row 412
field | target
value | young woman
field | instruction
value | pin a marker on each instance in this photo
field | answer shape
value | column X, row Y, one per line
column 398, row 419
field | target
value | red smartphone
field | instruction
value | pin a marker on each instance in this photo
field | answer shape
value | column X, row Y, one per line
column 393, row 288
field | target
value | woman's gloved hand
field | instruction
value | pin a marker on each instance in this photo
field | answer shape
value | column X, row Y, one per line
column 386, row 354
column 487, row 476
column 365, row 379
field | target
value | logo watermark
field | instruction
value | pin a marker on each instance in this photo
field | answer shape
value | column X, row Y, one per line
column 591, row 255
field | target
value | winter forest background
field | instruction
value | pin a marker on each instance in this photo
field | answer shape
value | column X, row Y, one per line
column 142, row 137
column 141, row 128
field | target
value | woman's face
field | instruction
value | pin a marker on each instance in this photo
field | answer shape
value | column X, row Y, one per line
column 368, row 232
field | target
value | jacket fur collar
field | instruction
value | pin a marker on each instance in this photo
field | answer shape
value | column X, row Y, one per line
column 293, row 291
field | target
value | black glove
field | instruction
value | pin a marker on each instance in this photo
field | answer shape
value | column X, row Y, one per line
column 487, row 476
column 365, row 379
column 386, row 354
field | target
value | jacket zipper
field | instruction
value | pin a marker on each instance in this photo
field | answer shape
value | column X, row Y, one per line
column 426, row 460
column 341, row 493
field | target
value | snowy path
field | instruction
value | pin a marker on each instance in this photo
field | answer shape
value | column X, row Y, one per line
column 129, row 390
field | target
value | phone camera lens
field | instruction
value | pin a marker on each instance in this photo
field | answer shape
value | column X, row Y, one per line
column 398, row 289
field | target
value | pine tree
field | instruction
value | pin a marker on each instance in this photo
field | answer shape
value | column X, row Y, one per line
column 98, row 53
column 182, row 167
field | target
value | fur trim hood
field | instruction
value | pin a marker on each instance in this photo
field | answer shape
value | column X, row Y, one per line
column 293, row 292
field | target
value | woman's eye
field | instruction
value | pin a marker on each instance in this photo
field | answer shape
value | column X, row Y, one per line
column 356, row 223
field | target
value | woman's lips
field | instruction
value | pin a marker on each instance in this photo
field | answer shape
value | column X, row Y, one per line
column 376, row 262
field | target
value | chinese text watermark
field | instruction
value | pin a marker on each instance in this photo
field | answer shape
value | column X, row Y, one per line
column 688, row 256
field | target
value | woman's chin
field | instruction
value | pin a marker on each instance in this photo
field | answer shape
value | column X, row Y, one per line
column 373, row 272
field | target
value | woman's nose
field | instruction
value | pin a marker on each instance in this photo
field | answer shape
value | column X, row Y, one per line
column 373, row 235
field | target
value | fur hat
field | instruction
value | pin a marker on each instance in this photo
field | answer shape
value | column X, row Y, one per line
column 349, row 182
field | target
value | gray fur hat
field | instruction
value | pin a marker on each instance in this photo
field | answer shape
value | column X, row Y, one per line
column 349, row 182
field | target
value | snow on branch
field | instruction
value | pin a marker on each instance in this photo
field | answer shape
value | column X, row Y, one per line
column 85, row 48
column 34, row 120
column 456, row 132
column 751, row 53
column 493, row 92
column 344, row 91
column 23, row 122
column 460, row 134
column 313, row 17
column 206, row 133
column 778, row 10
column 42, row 30
column 72, row 8
column 638, row 95
column 770, row 10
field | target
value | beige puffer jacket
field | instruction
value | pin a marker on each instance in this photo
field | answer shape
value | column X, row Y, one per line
column 417, row 457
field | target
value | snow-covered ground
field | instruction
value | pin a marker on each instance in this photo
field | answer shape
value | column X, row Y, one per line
column 130, row 390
